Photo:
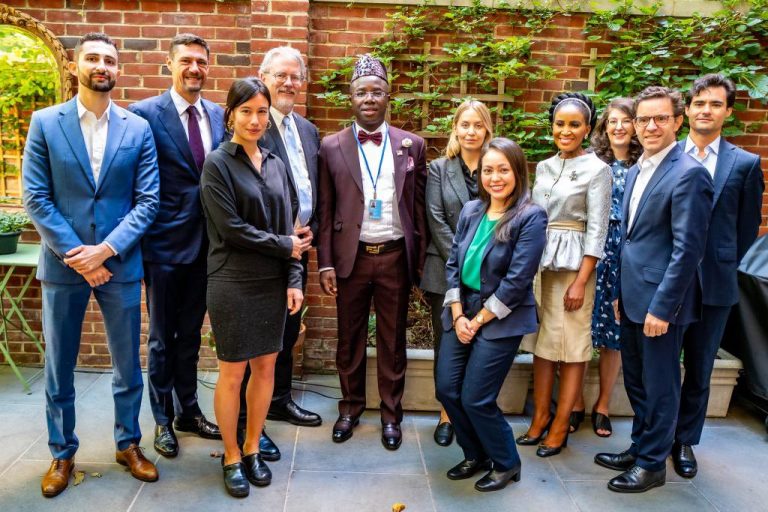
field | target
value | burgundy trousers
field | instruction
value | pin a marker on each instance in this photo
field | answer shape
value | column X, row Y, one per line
column 384, row 279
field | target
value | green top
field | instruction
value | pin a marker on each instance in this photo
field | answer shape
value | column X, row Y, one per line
column 470, row 272
column 26, row 256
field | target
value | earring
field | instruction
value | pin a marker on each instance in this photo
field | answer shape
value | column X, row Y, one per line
column 269, row 125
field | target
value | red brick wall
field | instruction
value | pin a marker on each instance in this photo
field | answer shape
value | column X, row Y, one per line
column 239, row 31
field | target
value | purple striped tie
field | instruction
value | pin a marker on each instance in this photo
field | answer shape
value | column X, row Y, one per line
column 195, row 139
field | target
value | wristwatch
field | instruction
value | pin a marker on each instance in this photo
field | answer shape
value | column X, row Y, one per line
column 479, row 318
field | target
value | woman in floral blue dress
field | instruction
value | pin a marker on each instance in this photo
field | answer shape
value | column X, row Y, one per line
column 614, row 141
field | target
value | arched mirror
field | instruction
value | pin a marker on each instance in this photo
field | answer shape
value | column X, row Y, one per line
column 32, row 76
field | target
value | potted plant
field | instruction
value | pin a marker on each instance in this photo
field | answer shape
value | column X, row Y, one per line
column 11, row 224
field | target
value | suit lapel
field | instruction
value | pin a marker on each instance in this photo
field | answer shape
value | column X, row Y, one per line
column 117, row 125
column 725, row 159
column 169, row 118
column 474, row 223
column 399, row 158
column 628, row 186
column 664, row 167
column 274, row 142
column 310, row 152
column 456, row 179
column 217, row 123
column 349, row 153
column 70, row 126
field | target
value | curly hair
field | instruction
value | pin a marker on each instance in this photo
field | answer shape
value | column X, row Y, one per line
column 582, row 102
column 601, row 145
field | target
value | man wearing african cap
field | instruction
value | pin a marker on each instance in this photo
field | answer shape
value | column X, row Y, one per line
column 372, row 243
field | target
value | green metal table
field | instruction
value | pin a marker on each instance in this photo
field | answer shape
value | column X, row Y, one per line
column 26, row 257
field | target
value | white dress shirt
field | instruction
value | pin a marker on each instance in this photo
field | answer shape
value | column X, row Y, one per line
column 647, row 167
column 94, row 135
column 387, row 228
column 202, row 119
column 709, row 160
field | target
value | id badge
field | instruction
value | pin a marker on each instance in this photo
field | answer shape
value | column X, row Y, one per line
column 374, row 209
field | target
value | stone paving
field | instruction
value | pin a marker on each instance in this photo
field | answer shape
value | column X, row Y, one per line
column 316, row 475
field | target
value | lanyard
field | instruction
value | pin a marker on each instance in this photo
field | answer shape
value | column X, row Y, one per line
column 381, row 160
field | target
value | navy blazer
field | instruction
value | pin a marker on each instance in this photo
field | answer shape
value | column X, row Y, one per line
column 178, row 234
column 735, row 222
column 507, row 271
column 69, row 209
column 310, row 143
column 661, row 253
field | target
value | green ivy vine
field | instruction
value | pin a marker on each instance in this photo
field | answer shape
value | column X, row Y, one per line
column 646, row 49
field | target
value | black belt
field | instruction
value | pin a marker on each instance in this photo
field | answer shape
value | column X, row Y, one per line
column 382, row 247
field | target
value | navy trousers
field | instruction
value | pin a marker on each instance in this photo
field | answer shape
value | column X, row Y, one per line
column 700, row 344
column 64, row 308
column 469, row 378
column 176, row 307
column 652, row 379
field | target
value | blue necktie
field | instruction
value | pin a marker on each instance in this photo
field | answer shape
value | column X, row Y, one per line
column 301, row 179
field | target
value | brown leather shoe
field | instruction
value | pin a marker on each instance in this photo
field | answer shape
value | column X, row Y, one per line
column 57, row 477
column 141, row 468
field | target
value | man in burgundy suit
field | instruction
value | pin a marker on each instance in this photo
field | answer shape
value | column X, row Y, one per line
column 372, row 242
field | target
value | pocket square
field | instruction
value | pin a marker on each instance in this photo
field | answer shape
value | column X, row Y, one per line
column 410, row 162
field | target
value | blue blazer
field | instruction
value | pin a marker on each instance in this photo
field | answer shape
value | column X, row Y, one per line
column 507, row 271
column 660, row 254
column 310, row 143
column 178, row 233
column 735, row 221
column 69, row 209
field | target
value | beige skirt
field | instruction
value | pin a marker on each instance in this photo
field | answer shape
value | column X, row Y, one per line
column 563, row 335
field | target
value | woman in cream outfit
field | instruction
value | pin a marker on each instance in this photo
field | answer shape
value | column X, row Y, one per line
column 574, row 187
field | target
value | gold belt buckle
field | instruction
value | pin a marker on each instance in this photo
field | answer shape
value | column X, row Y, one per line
column 373, row 249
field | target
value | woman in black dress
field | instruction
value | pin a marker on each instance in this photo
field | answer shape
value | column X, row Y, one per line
column 254, row 274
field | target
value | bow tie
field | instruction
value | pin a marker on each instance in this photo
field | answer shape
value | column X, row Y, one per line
column 374, row 137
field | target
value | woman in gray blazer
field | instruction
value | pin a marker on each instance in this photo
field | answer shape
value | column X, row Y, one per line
column 452, row 181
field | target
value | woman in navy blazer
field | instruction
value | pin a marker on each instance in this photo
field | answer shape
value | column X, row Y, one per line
column 489, row 306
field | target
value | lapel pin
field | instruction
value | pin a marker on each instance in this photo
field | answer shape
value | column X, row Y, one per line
column 399, row 152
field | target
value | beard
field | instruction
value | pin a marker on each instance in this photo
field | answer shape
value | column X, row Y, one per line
column 90, row 83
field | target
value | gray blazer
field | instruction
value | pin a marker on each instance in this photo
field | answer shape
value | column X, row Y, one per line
column 446, row 195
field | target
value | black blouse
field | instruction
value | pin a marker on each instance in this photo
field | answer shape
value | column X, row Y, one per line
column 469, row 179
column 248, row 216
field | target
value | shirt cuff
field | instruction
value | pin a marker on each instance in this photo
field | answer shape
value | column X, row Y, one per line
column 495, row 306
column 324, row 269
column 114, row 252
column 451, row 296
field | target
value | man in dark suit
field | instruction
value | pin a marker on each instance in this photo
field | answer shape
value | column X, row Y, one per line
column 738, row 182
column 372, row 242
column 91, row 189
column 185, row 127
column 666, row 210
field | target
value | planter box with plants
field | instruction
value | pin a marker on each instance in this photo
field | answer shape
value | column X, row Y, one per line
column 11, row 225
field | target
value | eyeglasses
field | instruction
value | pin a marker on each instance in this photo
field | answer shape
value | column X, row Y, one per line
column 360, row 95
column 283, row 77
column 660, row 120
column 613, row 123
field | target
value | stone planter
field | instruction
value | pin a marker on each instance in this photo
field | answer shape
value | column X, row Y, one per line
column 419, row 392
column 723, row 380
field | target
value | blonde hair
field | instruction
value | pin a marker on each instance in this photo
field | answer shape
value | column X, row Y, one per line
column 453, row 148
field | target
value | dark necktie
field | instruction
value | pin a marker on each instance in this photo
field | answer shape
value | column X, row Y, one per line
column 374, row 137
column 195, row 139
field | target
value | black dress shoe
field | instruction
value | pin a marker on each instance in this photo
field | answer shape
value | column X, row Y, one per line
column 342, row 429
column 166, row 443
column 616, row 461
column 292, row 413
column 496, row 480
column 267, row 448
column 199, row 425
column 637, row 479
column 444, row 433
column 549, row 451
column 235, row 480
column 467, row 468
column 391, row 436
column 684, row 460
column 256, row 470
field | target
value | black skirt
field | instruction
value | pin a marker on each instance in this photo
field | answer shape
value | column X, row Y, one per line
column 247, row 317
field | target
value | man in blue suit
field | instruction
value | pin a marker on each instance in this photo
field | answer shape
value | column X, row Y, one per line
column 666, row 210
column 186, row 128
column 738, row 182
column 91, row 188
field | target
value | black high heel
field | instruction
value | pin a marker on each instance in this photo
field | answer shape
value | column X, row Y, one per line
column 526, row 440
column 548, row 451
